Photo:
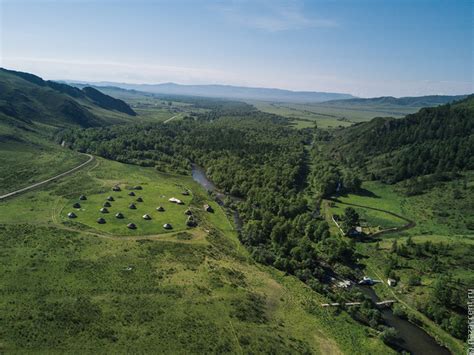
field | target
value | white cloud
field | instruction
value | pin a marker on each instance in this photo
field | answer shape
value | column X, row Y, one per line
column 271, row 16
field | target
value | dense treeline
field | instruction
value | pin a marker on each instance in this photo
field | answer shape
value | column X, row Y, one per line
column 434, row 140
column 256, row 157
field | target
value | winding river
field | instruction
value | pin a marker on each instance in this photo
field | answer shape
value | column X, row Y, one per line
column 411, row 337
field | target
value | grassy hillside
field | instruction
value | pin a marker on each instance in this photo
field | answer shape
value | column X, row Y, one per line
column 26, row 99
column 434, row 140
column 81, row 287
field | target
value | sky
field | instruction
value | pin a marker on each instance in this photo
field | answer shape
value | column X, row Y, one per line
column 363, row 47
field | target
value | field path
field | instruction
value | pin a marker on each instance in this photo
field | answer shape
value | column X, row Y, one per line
column 169, row 119
column 13, row 193
column 410, row 224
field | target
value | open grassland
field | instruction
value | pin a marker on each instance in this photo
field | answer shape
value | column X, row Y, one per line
column 331, row 115
column 79, row 288
column 25, row 164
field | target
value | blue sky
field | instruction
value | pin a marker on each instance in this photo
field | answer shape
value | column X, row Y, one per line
column 367, row 48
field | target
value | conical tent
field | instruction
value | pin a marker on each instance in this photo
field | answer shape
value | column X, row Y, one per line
column 104, row 210
column 131, row 226
column 132, row 206
column 110, row 198
column 139, row 199
column 160, row 209
column 101, row 221
column 76, row 205
column 71, row 215
column 167, row 226
column 147, row 217
column 119, row 215
column 131, row 193
column 106, row 204
column 82, row 197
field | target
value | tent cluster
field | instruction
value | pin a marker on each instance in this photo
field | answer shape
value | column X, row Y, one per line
column 190, row 222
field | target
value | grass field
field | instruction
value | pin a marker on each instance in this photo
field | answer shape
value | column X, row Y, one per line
column 331, row 115
column 80, row 287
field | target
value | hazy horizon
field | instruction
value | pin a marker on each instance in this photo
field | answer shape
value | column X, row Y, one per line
column 368, row 49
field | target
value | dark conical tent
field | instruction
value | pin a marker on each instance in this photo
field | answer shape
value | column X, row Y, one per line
column 190, row 222
column 160, row 209
column 146, row 216
column 76, row 205
column 116, row 188
column 132, row 206
column 82, row 197
column 139, row 199
column 119, row 215
column 71, row 215
column 110, row 198
column 167, row 226
column 208, row 208
column 101, row 220
column 104, row 210
column 131, row 193
column 106, row 204
column 185, row 193
column 188, row 212
column 138, row 187
column 131, row 226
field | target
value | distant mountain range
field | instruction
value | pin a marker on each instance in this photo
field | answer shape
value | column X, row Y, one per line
column 228, row 92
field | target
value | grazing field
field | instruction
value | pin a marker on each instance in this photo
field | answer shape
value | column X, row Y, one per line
column 25, row 164
column 331, row 115
column 73, row 285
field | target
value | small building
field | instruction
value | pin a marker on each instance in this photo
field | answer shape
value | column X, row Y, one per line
column 71, row 215
column 175, row 200
column 110, row 198
column 119, row 215
column 146, row 216
column 185, row 193
column 392, row 282
column 208, row 208
column 138, row 187
column 167, row 226
column 366, row 281
column 116, row 188
column 139, row 199
column 131, row 193
column 131, row 226
column 160, row 209
column 101, row 220
column 104, row 210
column 188, row 212
column 82, row 197
column 132, row 206
column 76, row 205
column 106, row 204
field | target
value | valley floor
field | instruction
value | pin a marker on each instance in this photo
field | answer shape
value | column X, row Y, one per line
column 81, row 286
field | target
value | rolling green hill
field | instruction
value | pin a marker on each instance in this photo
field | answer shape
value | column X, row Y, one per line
column 27, row 100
